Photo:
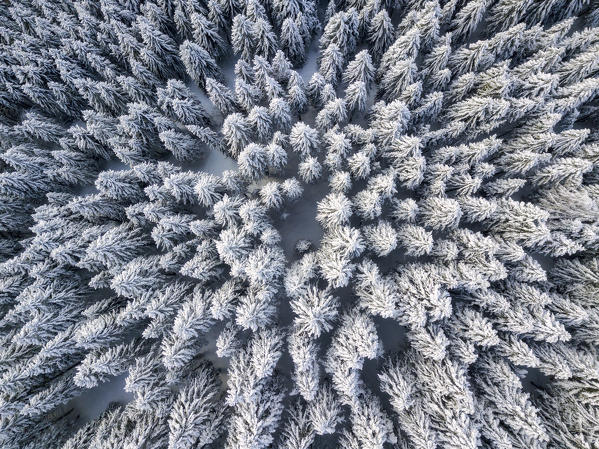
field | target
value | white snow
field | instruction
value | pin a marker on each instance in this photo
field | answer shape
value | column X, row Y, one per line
column 94, row 401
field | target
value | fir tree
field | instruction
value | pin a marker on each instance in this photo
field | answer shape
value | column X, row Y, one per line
column 220, row 96
column 198, row 62
column 380, row 33
column 196, row 416
column 236, row 132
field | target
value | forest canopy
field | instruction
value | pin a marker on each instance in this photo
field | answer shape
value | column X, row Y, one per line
column 397, row 246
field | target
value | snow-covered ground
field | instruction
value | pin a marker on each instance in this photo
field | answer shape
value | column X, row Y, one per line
column 94, row 401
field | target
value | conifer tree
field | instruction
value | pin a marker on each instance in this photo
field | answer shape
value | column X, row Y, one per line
column 236, row 132
column 178, row 103
column 206, row 34
column 197, row 414
column 292, row 41
column 380, row 33
column 359, row 69
column 198, row 62
column 242, row 36
column 331, row 63
column 296, row 92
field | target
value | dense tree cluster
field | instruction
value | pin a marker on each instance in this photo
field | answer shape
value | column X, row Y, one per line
column 453, row 299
